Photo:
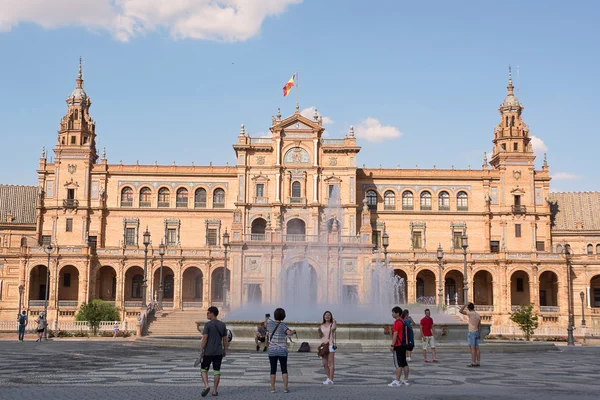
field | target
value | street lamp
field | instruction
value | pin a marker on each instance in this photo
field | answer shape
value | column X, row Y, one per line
column 161, row 253
column 48, row 250
column 144, row 284
column 440, row 256
column 464, row 241
column 582, row 295
column 570, row 339
column 385, row 242
column 225, row 280
column 21, row 288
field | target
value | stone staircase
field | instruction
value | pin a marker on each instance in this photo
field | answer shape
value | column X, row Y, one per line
column 175, row 323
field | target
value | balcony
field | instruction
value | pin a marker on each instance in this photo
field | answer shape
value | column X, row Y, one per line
column 444, row 208
column 164, row 204
column 145, row 204
column 407, row 207
column 260, row 237
column 549, row 309
column 484, row 308
column 36, row 303
column 70, row 203
column 296, row 200
column 200, row 204
column 127, row 204
column 182, row 204
column 218, row 205
column 425, row 208
column 462, row 208
column 518, row 209
column 133, row 304
column 389, row 207
column 260, row 200
column 67, row 303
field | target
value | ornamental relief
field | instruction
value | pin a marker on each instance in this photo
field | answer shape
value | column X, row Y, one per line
column 296, row 155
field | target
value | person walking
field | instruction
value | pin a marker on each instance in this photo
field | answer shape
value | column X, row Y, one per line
column 260, row 336
column 212, row 349
column 474, row 322
column 427, row 332
column 41, row 326
column 22, row 318
column 115, row 329
column 278, row 333
column 396, row 347
column 407, row 321
column 327, row 335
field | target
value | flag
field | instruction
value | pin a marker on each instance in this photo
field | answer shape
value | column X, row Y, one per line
column 288, row 86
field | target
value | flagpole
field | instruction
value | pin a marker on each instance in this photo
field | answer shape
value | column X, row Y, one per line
column 297, row 105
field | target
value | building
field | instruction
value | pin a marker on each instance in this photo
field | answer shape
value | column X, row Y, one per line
column 294, row 199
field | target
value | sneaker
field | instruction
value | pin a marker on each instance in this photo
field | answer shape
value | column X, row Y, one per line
column 265, row 349
column 395, row 384
column 435, row 361
column 257, row 348
column 405, row 383
column 408, row 359
column 328, row 382
column 426, row 360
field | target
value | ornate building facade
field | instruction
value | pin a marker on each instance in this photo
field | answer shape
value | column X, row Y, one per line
column 296, row 197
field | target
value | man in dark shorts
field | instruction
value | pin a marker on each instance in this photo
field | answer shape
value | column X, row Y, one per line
column 212, row 348
column 399, row 351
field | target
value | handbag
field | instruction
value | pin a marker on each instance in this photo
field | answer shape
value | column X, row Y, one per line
column 323, row 349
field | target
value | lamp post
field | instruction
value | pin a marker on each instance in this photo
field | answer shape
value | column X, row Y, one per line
column 21, row 288
column 144, row 282
column 48, row 250
column 225, row 280
column 161, row 253
column 570, row 339
column 582, row 295
column 464, row 241
column 385, row 242
column 440, row 256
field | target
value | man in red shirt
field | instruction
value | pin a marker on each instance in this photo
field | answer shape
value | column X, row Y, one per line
column 399, row 351
column 427, row 335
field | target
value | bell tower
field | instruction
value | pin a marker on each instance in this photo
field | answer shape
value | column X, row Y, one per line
column 511, row 136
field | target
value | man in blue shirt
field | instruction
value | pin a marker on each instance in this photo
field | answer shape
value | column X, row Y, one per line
column 22, row 318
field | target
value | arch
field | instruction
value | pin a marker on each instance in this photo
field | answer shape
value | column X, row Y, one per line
column 401, row 286
column 295, row 227
column 164, row 197
column 37, row 282
column 519, row 288
column 454, row 286
column 425, row 200
column 216, row 287
column 296, row 155
column 371, row 197
column 218, row 198
column 106, row 283
column 192, row 288
column 299, row 286
column 126, row 197
column 181, row 198
column 483, row 288
column 68, row 283
column 548, row 295
column 145, row 197
column 407, row 200
column 462, row 201
column 425, row 290
column 444, row 200
column 296, row 189
column 168, row 280
column 590, row 249
column 389, row 200
column 200, row 198
column 595, row 291
column 259, row 226
column 134, row 281
column 559, row 249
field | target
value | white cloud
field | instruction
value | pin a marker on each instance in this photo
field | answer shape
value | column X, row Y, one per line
column 538, row 146
column 373, row 131
column 564, row 176
column 309, row 113
column 222, row 20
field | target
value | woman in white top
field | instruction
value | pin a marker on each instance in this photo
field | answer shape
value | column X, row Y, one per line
column 327, row 335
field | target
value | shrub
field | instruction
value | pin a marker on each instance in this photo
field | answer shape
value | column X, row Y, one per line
column 95, row 312
column 526, row 319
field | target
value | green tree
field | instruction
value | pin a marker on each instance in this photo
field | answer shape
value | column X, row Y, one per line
column 95, row 312
column 526, row 319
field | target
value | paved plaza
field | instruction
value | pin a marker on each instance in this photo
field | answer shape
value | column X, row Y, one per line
column 95, row 369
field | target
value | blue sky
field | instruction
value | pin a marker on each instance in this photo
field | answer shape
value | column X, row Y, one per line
column 422, row 79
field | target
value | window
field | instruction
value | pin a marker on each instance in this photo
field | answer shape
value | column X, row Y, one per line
column 520, row 285
column 296, row 189
column 92, row 242
column 136, row 286
column 407, row 200
column 425, row 201
column 417, row 240
column 444, row 201
column 211, row 236
column 171, row 237
column 260, row 190
column 590, row 250
column 462, row 201
column 494, row 246
column 598, row 249
column 76, row 114
column 376, row 239
column 130, row 237
column 389, row 200
column 67, row 280
column 164, row 197
column 540, row 245
column 69, row 225
column 596, row 297
column 504, row 146
column 200, row 198
column 420, row 288
column 457, row 240
column 517, row 200
column 73, row 140
column 516, row 146
column 46, row 240
column 372, row 199
column 219, row 198
column 126, row 197
column 518, row 230
column 71, row 194
column 559, row 248
column 145, row 197
column 182, row 198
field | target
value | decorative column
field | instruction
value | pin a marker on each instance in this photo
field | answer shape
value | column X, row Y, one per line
column 315, row 186
column 277, row 188
column 316, row 155
column 278, row 159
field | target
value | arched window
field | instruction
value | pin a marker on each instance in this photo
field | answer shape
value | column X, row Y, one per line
column 296, row 189
column 425, row 201
column 145, row 197
column 444, row 201
column 407, row 200
column 200, row 198
column 126, row 197
column 462, row 201
column 559, row 248
column 590, row 250
column 136, row 286
column 182, row 198
column 76, row 114
column 219, row 198
column 372, row 199
column 164, row 196
column 389, row 200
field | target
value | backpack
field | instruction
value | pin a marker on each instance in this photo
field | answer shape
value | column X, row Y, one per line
column 21, row 319
column 408, row 341
column 304, row 348
column 229, row 335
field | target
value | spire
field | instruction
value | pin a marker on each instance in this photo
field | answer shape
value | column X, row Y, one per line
column 545, row 161
column 79, row 79
column 242, row 130
column 510, row 86
column 297, row 108
column 78, row 94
